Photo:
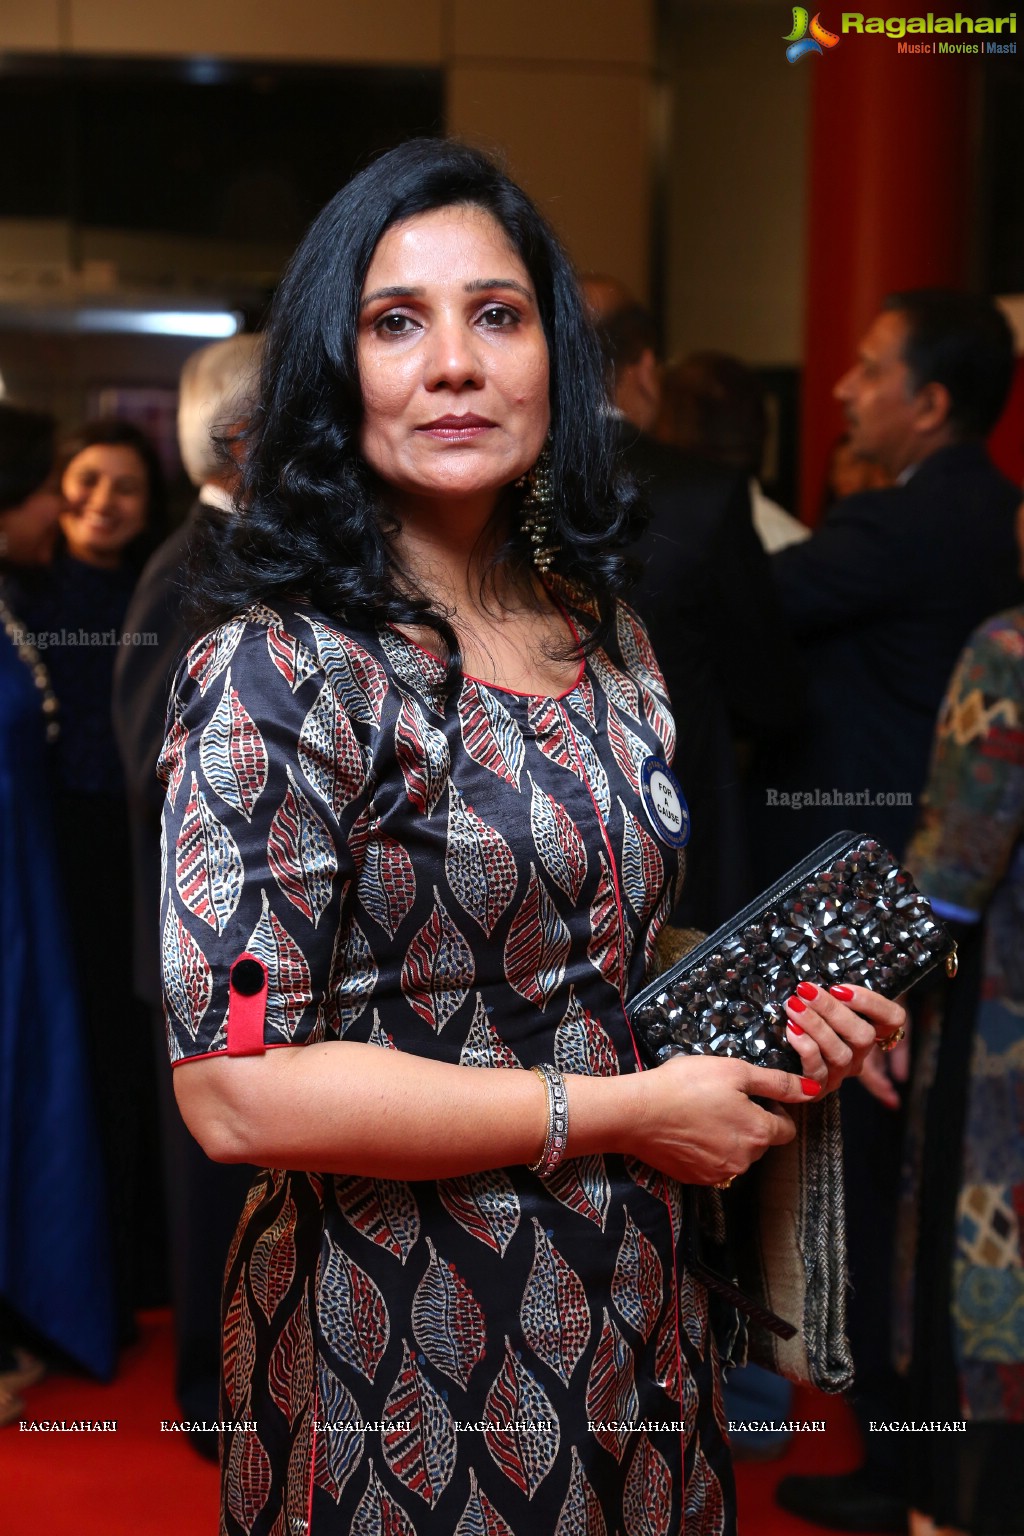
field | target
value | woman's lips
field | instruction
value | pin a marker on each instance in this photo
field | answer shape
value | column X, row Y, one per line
column 457, row 429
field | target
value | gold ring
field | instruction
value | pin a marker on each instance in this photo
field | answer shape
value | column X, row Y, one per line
column 724, row 1183
column 892, row 1041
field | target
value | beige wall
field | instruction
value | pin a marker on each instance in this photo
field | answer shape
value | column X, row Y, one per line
column 737, row 178
column 563, row 89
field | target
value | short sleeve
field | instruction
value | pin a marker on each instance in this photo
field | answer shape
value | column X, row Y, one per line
column 264, row 778
column 973, row 805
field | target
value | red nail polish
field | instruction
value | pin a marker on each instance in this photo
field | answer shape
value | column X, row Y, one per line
column 796, row 1005
column 795, row 1028
column 844, row 994
column 810, row 1086
column 807, row 989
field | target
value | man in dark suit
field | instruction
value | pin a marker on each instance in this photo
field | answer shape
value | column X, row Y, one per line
column 882, row 599
column 705, row 593
column 204, row 1199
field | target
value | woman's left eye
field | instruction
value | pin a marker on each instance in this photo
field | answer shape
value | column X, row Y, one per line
column 499, row 317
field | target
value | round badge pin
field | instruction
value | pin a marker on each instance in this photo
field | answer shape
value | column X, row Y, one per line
column 665, row 802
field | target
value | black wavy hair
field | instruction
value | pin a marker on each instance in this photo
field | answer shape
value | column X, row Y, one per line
column 27, row 452
column 113, row 433
column 314, row 521
column 964, row 342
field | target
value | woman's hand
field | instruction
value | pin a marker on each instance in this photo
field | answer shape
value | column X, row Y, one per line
column 835, row 1031
column 696, row 1118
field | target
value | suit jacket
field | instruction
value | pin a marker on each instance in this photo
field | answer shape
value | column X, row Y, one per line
column 882, row 599
column 142, row 680
column 706, row 595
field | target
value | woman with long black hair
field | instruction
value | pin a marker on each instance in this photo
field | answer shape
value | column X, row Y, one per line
column 421, row 833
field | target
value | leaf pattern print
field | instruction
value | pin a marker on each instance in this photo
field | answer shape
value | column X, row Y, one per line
column 352, row 1312
column 611, row 1390
column 524, row 1433
column 636, row 650
column 272, row 1264
column 647, row 1497
column 416, row 667
column 629, row 752
column 660, row 717
column 703, row 1498
column 554, row 1315
column 484, row 1046
column 420, row 1448
column 289, row 988
column 290, row 655
column 257, row 1193
column 478, row 863
column 290, row 1372
column 537, row 946
column 603, row 946
column 329, row 755
column 358, row 678
column 423, row 756
column 582, row 1185
column 485, row 1205
column 448, row 1321
column 188, row 980
column 480, row 1518
column 232, row 754
column 438, row 969
column 667, row 1363
column 239, row 1349
column 383, row 1210
column 387, row 883
column 338, row 1451
column 582, row 1044
column 490, row 735
column 619, row 689
column 213, row 652
column 379, row 1514
column 207, row 864
column 693, row 1307
column 638, row 1283
column 643, row 872
column 558, row 841
column 170, row 768
column 354, row 975
column 547, row 721
column 301, row 854
column 248, row 1479
column 581, row 699
column 581, row 1513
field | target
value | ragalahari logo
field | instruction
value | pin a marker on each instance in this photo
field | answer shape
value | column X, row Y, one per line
column 807, row 36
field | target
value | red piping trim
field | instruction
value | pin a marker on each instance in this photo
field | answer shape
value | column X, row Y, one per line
column 275, row 1045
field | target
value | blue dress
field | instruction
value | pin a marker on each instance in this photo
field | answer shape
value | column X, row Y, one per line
column 54, row 1264
column 476, row 881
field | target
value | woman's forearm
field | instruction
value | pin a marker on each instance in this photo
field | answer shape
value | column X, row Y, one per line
column 344, row 1107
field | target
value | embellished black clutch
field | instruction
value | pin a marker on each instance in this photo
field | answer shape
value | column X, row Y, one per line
column 847, row 913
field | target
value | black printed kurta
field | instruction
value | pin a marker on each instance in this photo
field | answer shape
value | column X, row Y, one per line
column 481, row 884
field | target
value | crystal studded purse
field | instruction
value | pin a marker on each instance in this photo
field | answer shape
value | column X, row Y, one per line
column 847, row 913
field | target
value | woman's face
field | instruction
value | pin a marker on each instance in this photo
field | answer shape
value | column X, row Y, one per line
column 28, row 532
column 107, row 494
column 453, row 363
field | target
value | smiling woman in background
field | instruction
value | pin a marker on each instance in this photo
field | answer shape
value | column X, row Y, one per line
column 113, row 515
column 412, row 875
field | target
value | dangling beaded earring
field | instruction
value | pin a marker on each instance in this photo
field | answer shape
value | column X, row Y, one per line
column 536, row 511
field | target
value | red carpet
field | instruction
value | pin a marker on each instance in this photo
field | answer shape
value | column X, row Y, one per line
column 140, row 1482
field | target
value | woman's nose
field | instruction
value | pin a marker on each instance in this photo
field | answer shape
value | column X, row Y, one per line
column 100, row 496
column 453, row 357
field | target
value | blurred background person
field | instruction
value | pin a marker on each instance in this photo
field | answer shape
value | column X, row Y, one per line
column 55, row 1280
column 114, row 511
column 704, row 590
column 848, row 473
column 712, row 405
column 203, row 1199
column 963, row 1306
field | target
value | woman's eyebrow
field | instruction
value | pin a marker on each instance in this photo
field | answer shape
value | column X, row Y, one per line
column 479, row 285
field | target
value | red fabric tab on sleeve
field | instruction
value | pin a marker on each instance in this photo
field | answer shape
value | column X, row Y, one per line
column 247, row 1007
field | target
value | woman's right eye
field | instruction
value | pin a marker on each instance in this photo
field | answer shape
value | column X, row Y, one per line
column 394, row 325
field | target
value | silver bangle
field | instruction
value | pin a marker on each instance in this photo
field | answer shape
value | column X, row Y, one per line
column 557, row 1138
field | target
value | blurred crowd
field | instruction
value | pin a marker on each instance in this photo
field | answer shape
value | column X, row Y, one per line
column 866, row 674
